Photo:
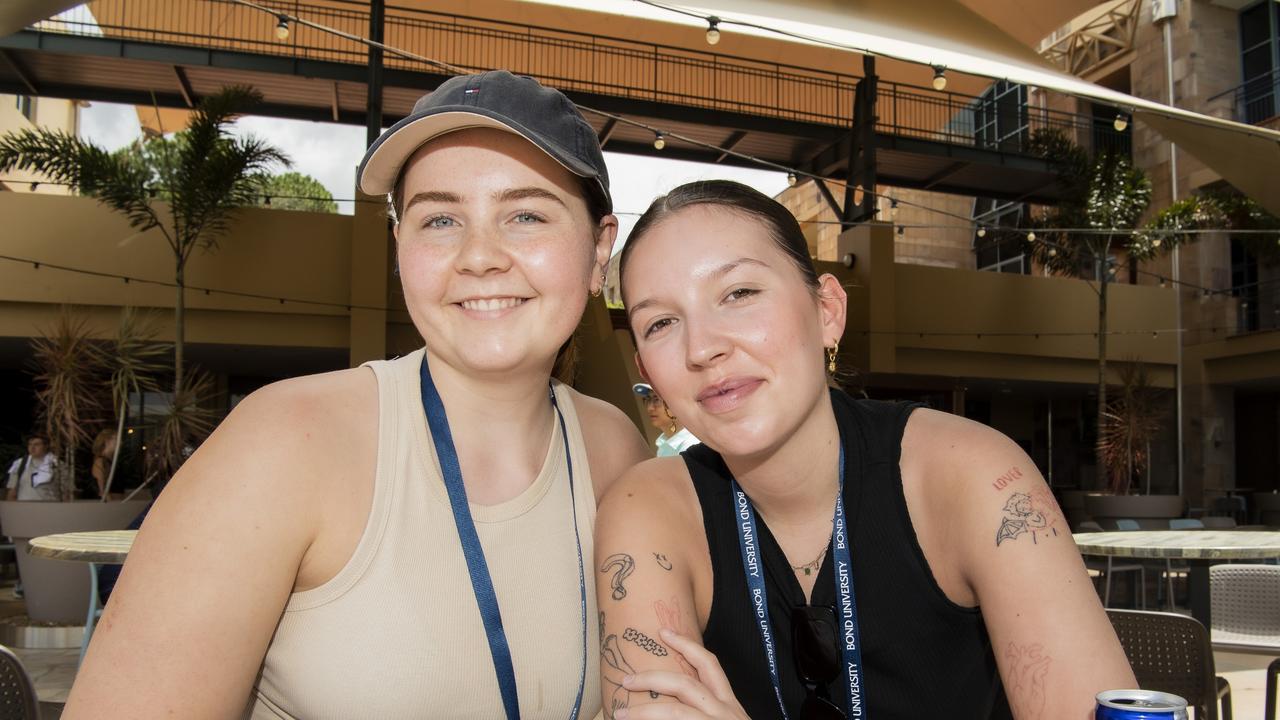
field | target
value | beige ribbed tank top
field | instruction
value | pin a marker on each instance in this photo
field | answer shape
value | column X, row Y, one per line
column 397, row 633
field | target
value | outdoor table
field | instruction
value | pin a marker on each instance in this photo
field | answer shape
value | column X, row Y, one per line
column 1200, row 548
column 104, row 547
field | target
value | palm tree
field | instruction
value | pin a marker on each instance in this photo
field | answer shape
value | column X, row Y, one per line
column 205, row 177
column 133, row 360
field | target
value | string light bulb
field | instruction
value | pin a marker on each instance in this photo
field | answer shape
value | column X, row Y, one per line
column 1121, row 122
column 1053, row 252
column 282, row 28
column 939, row 77
column 893, row 209
column 982, row 232
column 792, row 179
column 1155, row 242
column 901, row 231
column 1031, row 236
column 713, row 30
column 1162, row 283
column 659, row 142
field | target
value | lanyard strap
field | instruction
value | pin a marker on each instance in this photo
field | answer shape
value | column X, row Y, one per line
column 477, row 567
column 849, row 640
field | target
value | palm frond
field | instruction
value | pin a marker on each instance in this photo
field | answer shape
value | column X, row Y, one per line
column 184, row 425
column 68, row 382
column 85, row 167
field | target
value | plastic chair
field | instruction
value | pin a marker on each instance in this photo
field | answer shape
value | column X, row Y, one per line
column 1113, row 567
column 1245, row 606
column 1218, row 523
column 1273, row 671
column 1099, row 568
column 17, row 693
column 1233, row 506
column 1171, row 653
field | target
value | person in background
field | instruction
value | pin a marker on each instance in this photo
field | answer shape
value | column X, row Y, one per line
column 675, row 436
column 104, row 448
column 35, row 476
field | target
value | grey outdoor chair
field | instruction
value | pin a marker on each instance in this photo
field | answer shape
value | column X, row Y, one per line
column 1181, row 570
column 17, row 694
column 1106, row 567
column 1171, row 653
column 1245, row 606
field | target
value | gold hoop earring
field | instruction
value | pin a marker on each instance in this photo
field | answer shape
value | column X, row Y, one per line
column 831, row 357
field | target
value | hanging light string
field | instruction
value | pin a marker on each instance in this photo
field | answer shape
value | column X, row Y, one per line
column 37, row 265
column 968, row 227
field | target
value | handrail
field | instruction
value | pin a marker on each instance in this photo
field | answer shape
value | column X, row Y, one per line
column 569, row 60
column 1255, row 100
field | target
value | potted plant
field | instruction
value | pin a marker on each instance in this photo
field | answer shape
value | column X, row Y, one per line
column 69, row 379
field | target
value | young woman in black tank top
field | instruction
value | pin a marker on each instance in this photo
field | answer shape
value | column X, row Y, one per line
column 891, row 561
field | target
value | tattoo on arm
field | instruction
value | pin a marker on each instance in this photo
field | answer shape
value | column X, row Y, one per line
column 645, row 642
column 1035, row 513
column 614, row 667
column 663, row 562
column 625, row 566
column 1027, row 668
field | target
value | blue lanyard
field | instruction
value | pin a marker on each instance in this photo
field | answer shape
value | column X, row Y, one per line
column 849, row 640
column 481, row 582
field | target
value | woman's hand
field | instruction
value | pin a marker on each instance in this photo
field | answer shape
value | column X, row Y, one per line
column 706, row 696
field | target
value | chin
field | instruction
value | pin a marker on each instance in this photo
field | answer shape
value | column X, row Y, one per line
column 745, row 439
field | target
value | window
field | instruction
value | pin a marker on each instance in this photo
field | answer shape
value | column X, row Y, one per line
column 999, row 251
column 26, row 106
column 1244, row 283
column 1000, row 117
column 1260, row 60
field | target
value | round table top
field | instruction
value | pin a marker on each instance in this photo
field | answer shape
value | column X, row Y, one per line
column 103, row 546
column 1185, row 544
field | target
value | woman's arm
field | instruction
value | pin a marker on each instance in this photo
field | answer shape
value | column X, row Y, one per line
column 1011, row 548
column 213, row 566
column 648, row 537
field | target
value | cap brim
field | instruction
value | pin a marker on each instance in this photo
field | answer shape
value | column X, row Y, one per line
column 388, row 154
column 642, row 389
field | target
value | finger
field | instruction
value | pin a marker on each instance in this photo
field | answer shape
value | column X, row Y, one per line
column 702, row 660
column 674, row 684
column 661, row 711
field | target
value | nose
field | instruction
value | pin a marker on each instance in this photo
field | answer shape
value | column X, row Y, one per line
column 481, row 252
column 705, row 344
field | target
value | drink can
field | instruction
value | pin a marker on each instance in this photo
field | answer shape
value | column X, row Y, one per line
column 1139, row 705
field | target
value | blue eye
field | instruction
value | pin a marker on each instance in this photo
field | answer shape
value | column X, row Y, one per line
column 528, row 217
column 657, row 325
column 439, row 221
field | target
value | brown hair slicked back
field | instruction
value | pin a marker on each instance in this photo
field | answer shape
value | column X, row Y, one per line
column 734, row 196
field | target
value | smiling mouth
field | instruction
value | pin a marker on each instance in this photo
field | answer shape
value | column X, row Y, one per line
column 492, row 304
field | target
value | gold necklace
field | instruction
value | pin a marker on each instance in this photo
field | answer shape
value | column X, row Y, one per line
column 812, row 566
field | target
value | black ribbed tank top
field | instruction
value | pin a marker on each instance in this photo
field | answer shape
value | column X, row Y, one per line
column 923, row 655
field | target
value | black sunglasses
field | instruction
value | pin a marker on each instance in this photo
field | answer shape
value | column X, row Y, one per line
column 817, row 657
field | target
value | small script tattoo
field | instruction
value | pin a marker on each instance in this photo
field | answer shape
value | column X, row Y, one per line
column 625, row 566
column 1027, row 667
column 1003, row 481
column 1033, row 513
column 663, row 562
column 645, row 642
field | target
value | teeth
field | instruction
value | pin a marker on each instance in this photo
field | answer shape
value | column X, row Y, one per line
column 489, row 304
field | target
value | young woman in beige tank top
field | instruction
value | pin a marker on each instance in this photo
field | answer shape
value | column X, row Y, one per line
column 305, row 562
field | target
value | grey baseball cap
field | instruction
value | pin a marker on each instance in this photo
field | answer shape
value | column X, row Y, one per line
column 496, row 99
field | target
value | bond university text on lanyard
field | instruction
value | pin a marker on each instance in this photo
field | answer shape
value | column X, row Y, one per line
column 481, row 583
column 849, row 639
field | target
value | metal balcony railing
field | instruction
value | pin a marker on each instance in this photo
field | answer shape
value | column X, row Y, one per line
column 1253, row 101
column 567, row 60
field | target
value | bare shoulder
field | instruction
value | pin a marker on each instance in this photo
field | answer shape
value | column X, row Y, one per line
column 658, row 488
column 613, row 442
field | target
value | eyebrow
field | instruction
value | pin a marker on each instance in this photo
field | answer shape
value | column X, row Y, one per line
column 509, row 195
column 719, row 272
